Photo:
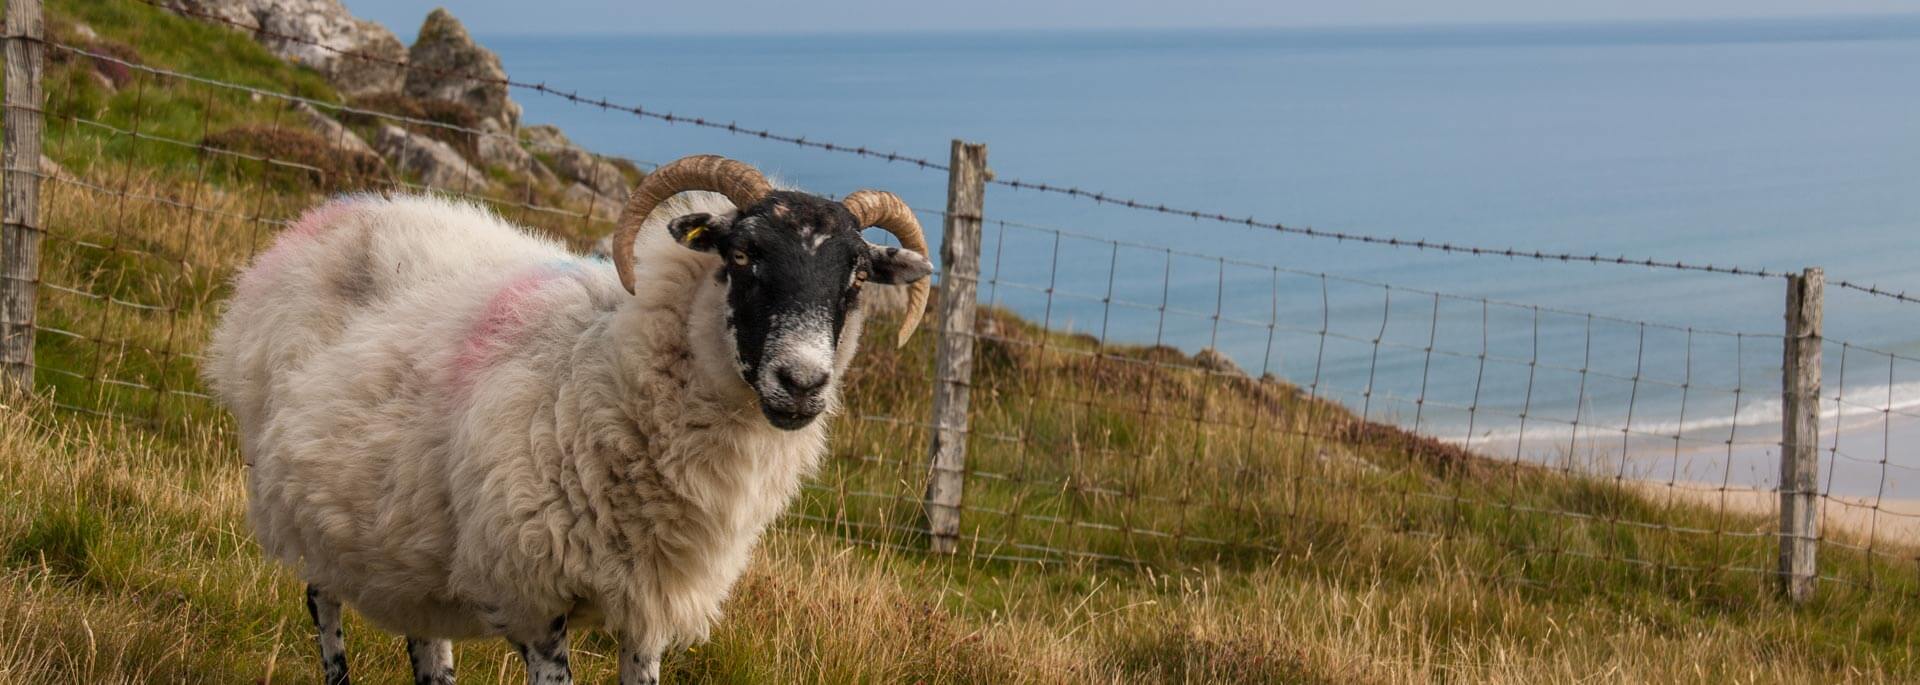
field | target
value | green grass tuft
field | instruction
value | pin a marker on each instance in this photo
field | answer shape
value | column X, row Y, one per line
column 59, row 541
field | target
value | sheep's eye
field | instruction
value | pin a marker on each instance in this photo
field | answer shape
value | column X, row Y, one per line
column 739, row 257
column 859, row 277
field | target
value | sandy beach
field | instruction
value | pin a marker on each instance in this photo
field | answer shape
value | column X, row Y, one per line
column 1853, row 520
column 1869, row 478
column 1869, row 471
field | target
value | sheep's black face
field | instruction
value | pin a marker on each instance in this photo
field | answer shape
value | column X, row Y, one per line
column 794, row 265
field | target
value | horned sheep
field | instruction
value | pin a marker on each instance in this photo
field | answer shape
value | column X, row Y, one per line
column 462, row 430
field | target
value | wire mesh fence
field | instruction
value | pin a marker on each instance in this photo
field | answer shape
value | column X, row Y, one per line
column 1542, row 446
column 1133, row 403
column 153, row 233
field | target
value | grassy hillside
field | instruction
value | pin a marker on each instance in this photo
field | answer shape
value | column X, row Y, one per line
column 1355, row 552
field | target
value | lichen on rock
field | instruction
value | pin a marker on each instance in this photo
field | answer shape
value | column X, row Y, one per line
column 358, row 56
column 446, row 64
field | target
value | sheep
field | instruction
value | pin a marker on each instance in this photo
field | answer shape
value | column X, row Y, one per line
column 462, row 430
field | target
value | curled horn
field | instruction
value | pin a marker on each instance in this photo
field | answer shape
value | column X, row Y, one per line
column 741, row 183
column 888, row 212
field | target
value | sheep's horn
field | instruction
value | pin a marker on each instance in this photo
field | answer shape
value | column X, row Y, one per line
column 887, row 211
column 740, row 182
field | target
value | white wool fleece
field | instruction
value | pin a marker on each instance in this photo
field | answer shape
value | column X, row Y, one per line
column 464, row 430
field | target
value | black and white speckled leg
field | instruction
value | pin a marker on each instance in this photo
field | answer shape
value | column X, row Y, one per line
column 432, row 661
column 546, row 655
column 325, row 611
column 639, row 666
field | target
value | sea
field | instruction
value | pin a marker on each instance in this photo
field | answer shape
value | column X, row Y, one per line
column 1765, row 144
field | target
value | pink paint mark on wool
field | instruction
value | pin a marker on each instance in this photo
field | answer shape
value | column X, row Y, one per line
column 310, row 226
column 504, row 321
column 317, row 220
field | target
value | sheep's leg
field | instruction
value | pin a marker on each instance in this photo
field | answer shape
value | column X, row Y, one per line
column 432, row 661
column 639, row 666
column 325, row 611
column 546, row 655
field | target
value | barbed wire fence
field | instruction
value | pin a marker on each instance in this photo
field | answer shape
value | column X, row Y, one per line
column 1109, row 418
column 1099, row 197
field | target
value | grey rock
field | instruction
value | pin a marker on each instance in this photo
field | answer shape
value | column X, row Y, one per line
column 502, row 150
column 335, row 133
column 585, row 199
column 575, row 164
column 446, row 64
column 360, row 57
column 359, row 77
column 542, row 175
column 437, row 164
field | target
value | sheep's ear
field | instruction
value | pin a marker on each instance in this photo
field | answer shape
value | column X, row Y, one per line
column 701, row 231
column 897, row 266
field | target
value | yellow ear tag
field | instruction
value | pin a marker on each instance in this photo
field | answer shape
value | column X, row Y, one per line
column 693, row 233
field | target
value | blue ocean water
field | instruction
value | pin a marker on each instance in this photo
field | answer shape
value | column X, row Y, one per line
column 1776, row 144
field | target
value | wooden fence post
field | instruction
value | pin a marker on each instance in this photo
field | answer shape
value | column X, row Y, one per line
column 20, row 191
column 1800, row 437
column 953, row 370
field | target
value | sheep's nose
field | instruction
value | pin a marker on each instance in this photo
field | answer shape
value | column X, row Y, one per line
column 801, row 383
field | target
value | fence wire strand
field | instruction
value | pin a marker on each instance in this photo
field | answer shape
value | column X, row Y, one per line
column 1071, row 191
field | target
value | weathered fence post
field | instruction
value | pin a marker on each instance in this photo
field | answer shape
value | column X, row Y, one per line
column 1800, row 437
column 20, row 217
column 953, row 370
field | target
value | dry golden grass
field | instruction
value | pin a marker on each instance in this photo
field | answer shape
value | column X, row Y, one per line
column 127, row 560
column 1346, row 551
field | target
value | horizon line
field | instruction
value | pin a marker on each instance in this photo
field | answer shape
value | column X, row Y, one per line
column 1385, row 26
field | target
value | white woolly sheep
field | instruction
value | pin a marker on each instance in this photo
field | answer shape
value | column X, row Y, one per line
column 462, row 430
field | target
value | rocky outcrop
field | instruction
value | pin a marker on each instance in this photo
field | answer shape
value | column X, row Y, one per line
column 335, row 133
column 591, row 180
column 446, row 64
column 575, row 164
column 501, row 150
column 540, row 174
column 445, row 69
column 435, row 163
column 316, row 33
column 587, row 200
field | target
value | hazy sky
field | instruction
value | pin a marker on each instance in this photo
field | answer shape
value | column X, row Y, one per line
column 758, row 16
